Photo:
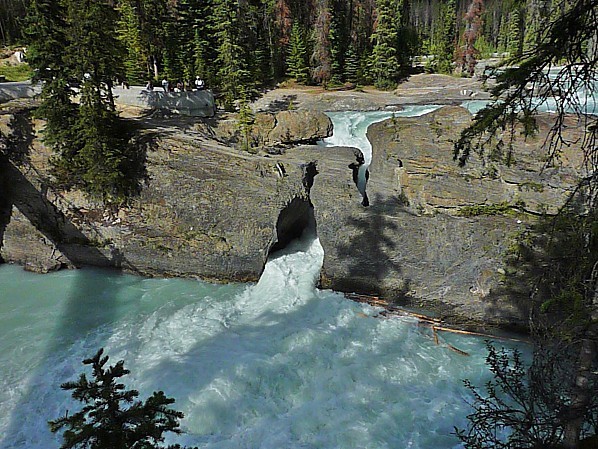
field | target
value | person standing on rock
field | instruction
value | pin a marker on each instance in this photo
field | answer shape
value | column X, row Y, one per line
column 165, row 85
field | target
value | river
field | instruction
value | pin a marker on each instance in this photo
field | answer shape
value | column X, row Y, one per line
column 278, row 364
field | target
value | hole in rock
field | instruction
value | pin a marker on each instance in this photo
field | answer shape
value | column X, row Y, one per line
column 298, row 216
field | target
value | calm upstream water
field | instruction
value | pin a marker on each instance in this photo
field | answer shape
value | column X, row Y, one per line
column 279, row 364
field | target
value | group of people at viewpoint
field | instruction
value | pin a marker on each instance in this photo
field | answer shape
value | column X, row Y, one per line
column 198, row 84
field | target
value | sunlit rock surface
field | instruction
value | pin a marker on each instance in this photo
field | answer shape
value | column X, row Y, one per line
column 215, row 212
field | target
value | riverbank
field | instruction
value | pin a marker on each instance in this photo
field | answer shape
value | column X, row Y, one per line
column 214, row 211
column 417, row 90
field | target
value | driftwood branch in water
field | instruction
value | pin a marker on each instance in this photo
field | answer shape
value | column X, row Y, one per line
column 391, row 310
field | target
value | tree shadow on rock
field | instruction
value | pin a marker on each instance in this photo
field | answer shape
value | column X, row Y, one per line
column 90, row 297
column 16, row 146
column 549, row 267
column 281, row 104
column 370, row 252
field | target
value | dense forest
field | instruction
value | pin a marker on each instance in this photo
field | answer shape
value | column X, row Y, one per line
column 252, row 43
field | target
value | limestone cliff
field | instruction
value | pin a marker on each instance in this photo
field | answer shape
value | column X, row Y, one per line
column 215, row 213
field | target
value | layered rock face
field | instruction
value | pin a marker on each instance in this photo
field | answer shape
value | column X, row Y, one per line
column 207, row 211
column 215, row 213
column 270, row 131
column 430, row 235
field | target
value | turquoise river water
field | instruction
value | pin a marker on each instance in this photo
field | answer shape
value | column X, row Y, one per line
column 278, row 364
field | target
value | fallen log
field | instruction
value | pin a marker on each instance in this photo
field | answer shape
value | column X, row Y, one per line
column 436, row 323
column 457, row 350
column 476, row 334
column 389, row 309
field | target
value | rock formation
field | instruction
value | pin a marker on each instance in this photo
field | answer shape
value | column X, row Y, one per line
column 215, row 213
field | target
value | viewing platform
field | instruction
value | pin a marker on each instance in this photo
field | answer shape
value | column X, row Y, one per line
column 197, row 103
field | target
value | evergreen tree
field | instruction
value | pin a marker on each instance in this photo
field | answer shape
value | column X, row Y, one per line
column 112, row 417
column 47, row 35
column 566, row 277
column 100, row 159
column 352, row 67
column 233, row 72
column 443, row 42
column 152, row 17
column 246, row 119
column 135, row 60
column 262, row 65
column 336, row 54
column 536, row 14
column 172, row 54
column 514, row 44
column 384, row 62
column 187, row 24
column 200, row 20
column 297, row 58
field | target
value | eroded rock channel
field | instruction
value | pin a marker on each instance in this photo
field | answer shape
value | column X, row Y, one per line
column 216, row 213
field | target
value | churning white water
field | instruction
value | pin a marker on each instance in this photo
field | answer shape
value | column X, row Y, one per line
column 350, row 128
column 278, row 364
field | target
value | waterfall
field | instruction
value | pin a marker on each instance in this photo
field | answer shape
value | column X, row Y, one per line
column 350, row 130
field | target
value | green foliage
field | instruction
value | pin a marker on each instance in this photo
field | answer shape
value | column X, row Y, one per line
column 352, row 67
column 336, row 56
column 246, row 119
column 93, row 49
column 233, row 73
column 487, row 209
column 91, row 145
column 46, row 36
column 46, row 32
column 562, row 266
column 573, row 237
column 514, row 39
column 522, row 407
column 112, row 417
column 384, row 62
column 444, row 38
column 129, row 34
column 297, row 59
column 19, row 72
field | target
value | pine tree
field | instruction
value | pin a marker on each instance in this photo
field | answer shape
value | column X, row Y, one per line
column 514, row 44
column 47, row 35
column 443, row 46
column 172, row 54
column 384, row 62
column 297, row 58
column 152, row 16
column 536, row 14
column 102, row 162
column 336, row 53
column 352, row 67
column 135, row 60
column 112, row 416
column 204, row 43
column 233, row 72
column 246, row 119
